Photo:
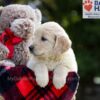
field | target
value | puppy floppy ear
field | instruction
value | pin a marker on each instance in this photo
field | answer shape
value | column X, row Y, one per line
column 62, row 44
column 1, row 8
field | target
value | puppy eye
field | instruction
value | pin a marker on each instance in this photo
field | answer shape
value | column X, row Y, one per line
column 43, row 39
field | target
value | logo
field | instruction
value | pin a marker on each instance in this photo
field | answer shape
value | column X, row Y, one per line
column 87, row 5
column 91, row 9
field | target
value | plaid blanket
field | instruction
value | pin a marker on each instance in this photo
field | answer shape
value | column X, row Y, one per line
column 19, row 83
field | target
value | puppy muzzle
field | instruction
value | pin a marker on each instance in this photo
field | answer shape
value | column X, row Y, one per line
column 31, row 48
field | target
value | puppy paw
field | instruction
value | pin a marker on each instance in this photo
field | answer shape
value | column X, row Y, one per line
column 42, row 82
column 59, row 82
column 22, row 27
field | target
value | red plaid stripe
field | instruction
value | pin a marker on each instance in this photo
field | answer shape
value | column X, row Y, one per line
column 20, row 84
column 25, row 86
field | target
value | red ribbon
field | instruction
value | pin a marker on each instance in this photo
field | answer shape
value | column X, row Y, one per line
column 10, row 40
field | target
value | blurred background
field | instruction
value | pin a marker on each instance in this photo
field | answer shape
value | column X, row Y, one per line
column 85, row 35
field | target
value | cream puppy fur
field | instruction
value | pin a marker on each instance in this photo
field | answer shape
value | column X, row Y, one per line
column 51, row 51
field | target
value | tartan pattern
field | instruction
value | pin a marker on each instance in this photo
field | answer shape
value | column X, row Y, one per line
column 19, row 83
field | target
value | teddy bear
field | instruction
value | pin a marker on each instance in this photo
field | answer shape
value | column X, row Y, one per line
column 17, row 25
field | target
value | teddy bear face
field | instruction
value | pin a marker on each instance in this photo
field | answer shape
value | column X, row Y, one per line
column 23, row 28
column 16, row 11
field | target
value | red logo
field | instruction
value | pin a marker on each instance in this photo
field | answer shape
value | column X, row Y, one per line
column 87, row 5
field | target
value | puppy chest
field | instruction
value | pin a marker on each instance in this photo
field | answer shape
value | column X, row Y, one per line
column 51, row 65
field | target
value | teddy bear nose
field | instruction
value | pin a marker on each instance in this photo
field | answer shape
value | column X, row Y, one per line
column 31, row 48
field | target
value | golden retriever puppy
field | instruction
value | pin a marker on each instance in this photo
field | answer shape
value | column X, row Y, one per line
column 51, row 51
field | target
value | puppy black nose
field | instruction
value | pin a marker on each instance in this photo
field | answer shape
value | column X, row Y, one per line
column 31, row 48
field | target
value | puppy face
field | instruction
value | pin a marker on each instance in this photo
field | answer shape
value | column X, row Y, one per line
column 49, row 40
column 43, row 43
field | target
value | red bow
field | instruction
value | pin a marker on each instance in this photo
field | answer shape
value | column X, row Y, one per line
column 9, row 39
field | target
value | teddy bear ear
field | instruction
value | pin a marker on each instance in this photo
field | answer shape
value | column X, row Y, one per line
column 1, row 8
column 38, row 15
